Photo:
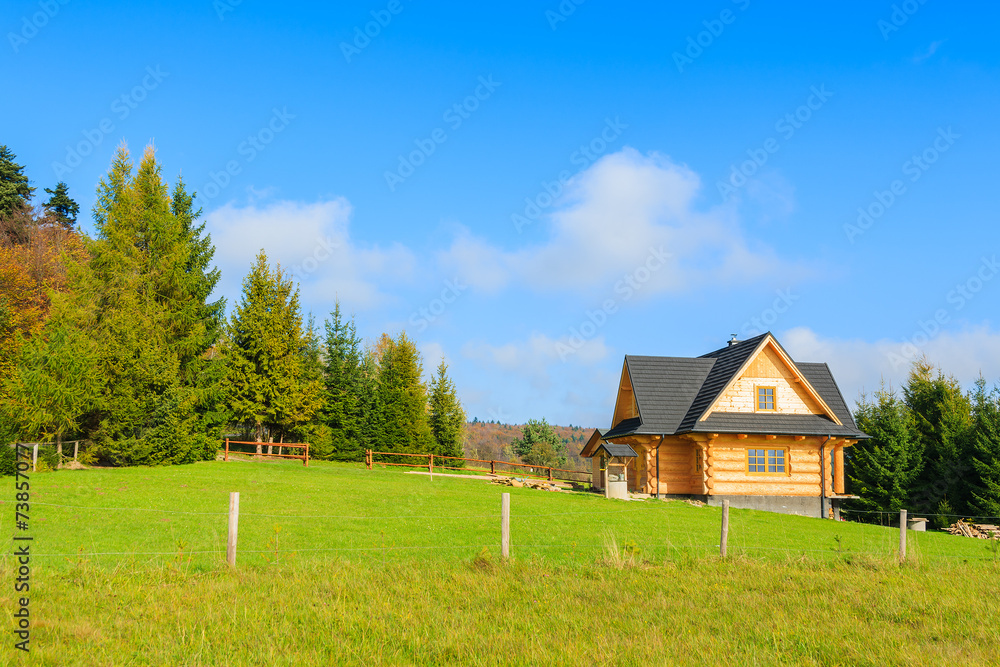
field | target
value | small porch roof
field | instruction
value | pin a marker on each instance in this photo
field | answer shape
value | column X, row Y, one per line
column 615, row 450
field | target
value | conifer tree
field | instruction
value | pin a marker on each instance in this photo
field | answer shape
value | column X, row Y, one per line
column 942, row 416
column 343, row 392
column 539, row 445
column 61, row 206
column 883, row 469
column 267, row 385
column 15, row 192
column 447, row 418
column 985, row 452
column 401, row 401
column 150, row 290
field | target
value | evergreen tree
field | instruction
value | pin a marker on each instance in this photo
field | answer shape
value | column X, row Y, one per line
column 539, row 445
column 985, row 454
column 60, row 206
column 267, row 383
column 447, row 418
column 154, row 325
column 58, row 379
column 883, row 469
column 343, row 395
column 315, row 431
column 942, row 416
column 15, row 192
column 401, row 399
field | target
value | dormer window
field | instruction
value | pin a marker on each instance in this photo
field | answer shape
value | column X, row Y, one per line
column 765, row 399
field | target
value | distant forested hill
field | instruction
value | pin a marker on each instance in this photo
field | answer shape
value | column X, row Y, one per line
column 487, row 440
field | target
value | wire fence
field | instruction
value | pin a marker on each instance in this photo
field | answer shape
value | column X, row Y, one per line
column 645, row 531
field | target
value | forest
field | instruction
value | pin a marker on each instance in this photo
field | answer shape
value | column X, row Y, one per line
column 118, row 340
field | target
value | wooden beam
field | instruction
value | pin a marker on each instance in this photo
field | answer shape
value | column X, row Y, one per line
column 741, row 436
column 800, row 437
column 770, row 437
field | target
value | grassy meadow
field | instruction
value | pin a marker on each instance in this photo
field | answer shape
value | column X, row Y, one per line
column 341, row 565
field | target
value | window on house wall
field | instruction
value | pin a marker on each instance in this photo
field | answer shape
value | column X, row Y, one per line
column 765, row 399
column 766, row 460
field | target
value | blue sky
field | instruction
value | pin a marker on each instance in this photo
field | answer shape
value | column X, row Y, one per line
column 534, row 190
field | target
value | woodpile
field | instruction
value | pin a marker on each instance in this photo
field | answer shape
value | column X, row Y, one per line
column 980, row 531
column 518, row 482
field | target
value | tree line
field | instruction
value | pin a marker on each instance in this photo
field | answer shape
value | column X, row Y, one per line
column 117, row 339
column 934, row 448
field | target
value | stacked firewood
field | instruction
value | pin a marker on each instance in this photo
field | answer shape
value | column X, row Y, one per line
column 981, row 531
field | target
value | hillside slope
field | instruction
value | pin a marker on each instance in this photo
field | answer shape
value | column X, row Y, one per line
column 489, row 440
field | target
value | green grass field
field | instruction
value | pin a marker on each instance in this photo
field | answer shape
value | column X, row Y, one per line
column 338, row 564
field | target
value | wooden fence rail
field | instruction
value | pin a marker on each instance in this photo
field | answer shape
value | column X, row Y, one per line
column 549, row 472
column 304, row 456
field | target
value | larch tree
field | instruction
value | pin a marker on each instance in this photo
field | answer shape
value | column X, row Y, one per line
column 447, row 418
column 150, row 282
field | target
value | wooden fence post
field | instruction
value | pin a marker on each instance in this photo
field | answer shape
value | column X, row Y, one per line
column 430, row 464
column 234, row 524
column 505, row 525
column 725, row 528
column 902, row 535
column 76, row 449
column 550, row 474
column 306, row 460
column 493, row 468
column 227, row 449
column 34, row 458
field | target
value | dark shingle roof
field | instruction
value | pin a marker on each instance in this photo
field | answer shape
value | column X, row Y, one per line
column 820, row 377
column 665, row 387
column 672, row 393
column 728, row 361
column 616, row 450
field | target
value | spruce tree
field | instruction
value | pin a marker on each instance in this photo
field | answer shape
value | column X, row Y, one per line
column 344, row 396
column 267, row 385
column 985, row 454
column 884, row 468
column 15, row 192
column 61, row 206
column 447, row 418
column 401, row 401
column 943, row 421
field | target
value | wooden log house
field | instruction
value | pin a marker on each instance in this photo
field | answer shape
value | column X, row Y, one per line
column 744, row 423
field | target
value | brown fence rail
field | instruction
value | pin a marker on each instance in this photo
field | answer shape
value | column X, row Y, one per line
column 543, row 472
column 304, row 446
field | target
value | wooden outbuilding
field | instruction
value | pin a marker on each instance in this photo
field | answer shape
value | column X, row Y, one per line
column 744, row 423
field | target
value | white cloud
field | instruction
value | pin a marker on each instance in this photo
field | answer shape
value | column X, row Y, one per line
column 313, row 241
column 612, row 217
column 861, row 365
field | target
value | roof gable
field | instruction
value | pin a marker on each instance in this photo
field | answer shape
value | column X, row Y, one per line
column 729, row 361
column 675, row 395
